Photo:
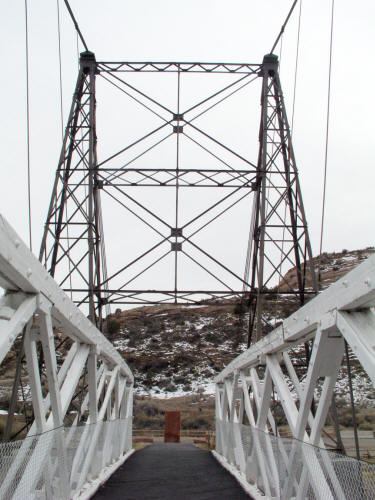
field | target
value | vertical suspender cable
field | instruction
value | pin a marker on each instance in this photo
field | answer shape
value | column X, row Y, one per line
column 18, row 379
column 283, row 26
column 293, row 108
column 77, row 43
column 355, row 428
column 327, row 135
column 62, row 134
column 78, row 64
column 281, row 52
column 291, row 132
column 76, row 24
column 282, row 243
column 60, row 70
column 28, row 124
column 296, row 65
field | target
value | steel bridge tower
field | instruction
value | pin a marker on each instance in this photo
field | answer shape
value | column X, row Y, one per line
column 73, row 247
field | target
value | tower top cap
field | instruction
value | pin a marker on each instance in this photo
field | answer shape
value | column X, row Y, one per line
column 270, row 59
column 87, row 56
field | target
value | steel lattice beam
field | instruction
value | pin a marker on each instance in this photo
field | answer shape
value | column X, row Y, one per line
column 73, row 239
column 170, row 67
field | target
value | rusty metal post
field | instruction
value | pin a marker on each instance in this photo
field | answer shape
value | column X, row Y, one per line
column 172, row 427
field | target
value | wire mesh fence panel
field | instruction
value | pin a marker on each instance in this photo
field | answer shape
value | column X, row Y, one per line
column 74, row 376
column 32, row 468
column 246, row 389
column 287, row 468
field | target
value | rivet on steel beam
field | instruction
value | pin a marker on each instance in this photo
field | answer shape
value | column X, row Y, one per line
column 29, row 273
column 368, row 282
column 17, row 243
column 345, row 284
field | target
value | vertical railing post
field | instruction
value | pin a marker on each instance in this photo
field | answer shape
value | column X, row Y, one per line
column 92, row 372
column 47, row 339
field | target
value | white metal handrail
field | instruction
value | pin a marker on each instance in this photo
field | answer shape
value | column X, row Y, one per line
column 244, row 393
column 56, row 461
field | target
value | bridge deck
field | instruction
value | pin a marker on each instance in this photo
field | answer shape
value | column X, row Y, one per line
column 168, row 471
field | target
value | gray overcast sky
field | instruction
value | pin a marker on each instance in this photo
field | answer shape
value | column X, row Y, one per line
column 203, row 30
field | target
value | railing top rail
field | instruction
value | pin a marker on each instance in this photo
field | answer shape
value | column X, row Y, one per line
column 355, row 291
column 20, row 271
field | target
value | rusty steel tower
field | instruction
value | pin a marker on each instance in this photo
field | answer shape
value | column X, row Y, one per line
column 158, row 192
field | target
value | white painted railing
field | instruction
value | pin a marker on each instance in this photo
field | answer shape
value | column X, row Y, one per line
column 56, row 460
column 246, row 432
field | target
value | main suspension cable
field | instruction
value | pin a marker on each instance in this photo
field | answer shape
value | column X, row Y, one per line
column 283, row 26
column 76, row 24
column 28, row 124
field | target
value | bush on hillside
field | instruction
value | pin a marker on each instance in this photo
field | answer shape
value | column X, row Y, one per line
column 113, row 326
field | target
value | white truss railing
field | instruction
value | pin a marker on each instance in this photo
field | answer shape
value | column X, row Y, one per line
column 246, row 432
column 56, row 461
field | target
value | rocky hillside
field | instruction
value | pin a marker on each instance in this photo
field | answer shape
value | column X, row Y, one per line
column 331, row 266
column 178, row 351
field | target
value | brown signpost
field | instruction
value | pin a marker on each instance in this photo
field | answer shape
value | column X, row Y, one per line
column 172, row 427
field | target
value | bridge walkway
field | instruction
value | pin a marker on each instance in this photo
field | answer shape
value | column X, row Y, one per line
column 167, row 471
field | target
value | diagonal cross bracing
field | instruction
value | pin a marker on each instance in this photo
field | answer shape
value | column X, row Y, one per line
column 185, row 214
column 250, row 439
column 88, row 380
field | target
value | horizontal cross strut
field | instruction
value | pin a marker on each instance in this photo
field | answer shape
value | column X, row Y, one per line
column 185, row 67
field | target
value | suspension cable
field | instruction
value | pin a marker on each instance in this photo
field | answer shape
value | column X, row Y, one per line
column 28, row 123
column 293, row 109
column 296, row 66
column 283, row 26
column 77, row 43
column 280, row 53
column 327, row 135
column 76, row 24
column 352, row 403
column 60, row 70
column 62, row 132
column 273, row 149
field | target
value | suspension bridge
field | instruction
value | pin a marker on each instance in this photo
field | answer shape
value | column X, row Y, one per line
column 77, row 390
